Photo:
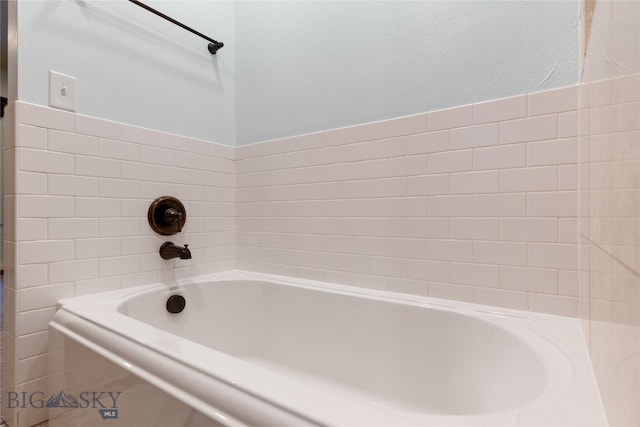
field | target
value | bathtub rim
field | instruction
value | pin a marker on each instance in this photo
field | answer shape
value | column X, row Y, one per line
column 75, row 311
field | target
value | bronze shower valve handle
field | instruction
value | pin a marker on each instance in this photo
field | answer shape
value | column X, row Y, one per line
column 167, row 215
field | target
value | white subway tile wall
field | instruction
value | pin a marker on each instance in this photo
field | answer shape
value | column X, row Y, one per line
column 476, row 203
column 473, row 203
column 79, row 204
column 610, row 228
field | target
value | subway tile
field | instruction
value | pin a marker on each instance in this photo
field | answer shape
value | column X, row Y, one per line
column 72, row 228
column 31, row 345
column 529, row 129
column 355, row 263
column 44, row 161
column 370, row 169
column 501, row 109
column 428, row 270
column 45, row 251
column 529, row 279
column 556, row 152
column 568, row 124
column 554, row 304
column 371, row 131
column 474, row 228
column 72, row 143
column 98, row 247
column 387, row 187
column 180, row 143
column 138, row 171
column 173, row 175
column 385, row 148
column 92, row 286
column 93, row 126
column 31, row 137
column 474, row 182
column 529, row 229
column 337, row 136
column 119, row 227
column 500, row 253
column 337, row 172
column 118, row 188
column 428, row 185
column 225, row 151
column 407, row 248
column 568, row 282
column 120, row 265
column 189, row 160
column 450, row 250
column 29, row 369
column 70, row 271
column 138, row 135
column 302, row 142
column 407, row 125
column 37, row 115
column 31, row 229
column 31, row 183
column 624, row 117
column 450, row 161
column 450, row 118
column 191, row 145
column 365, row 245
column 34, row 298
column 554, row 204
column 475, row 274
column 447, row 206
column 500, row 205
column 407, row 165
column 94, row 207
column 388, row 266
column 553, row 255
column 32, row 275
column 568, row 230
column 529, row 179
column 553, row 101
column 473, row 136
column 33, row 321
column 323, row 156
column 113, row 149
column 431, row 228
column 370, row 207
column 45, row 206
column 95, row 166
column 72, row 185
column 430, row 142
column 503, row 157
column 154, row 155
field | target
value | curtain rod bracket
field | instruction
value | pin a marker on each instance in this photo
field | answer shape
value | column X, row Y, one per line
column 214, row 47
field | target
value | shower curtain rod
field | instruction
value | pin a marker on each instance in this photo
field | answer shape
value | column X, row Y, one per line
column 213, row 46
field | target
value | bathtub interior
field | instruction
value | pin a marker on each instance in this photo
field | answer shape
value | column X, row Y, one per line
column 411, row 358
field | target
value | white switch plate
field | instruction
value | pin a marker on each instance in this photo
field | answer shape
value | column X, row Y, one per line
column 62, row 91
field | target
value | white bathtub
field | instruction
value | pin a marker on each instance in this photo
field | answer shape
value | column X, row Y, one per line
column 261, row 350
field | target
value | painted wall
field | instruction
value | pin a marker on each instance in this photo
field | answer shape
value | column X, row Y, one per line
column 291, row 67
column 316, row 65
column 132, row 66
column 610, row 203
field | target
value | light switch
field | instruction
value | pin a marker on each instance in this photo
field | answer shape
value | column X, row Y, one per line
column 62, row 91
